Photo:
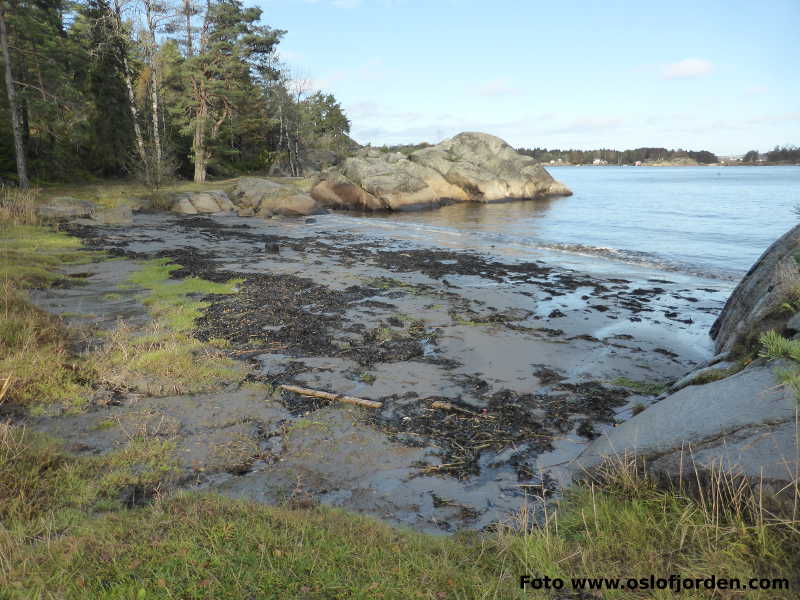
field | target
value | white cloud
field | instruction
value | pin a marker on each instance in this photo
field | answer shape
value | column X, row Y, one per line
column 501, row 86
column 687, row 68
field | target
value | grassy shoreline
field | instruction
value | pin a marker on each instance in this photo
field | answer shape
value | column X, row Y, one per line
column 112, row 526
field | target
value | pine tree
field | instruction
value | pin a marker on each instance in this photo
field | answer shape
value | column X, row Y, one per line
column 232, row 52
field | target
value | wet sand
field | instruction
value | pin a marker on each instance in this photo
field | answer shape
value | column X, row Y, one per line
column 527, row 351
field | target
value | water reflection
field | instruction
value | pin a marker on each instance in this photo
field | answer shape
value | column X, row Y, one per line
column 497, row 217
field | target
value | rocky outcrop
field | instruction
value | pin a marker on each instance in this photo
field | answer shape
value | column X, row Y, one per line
column 723, row 415
column 84, row 212
column 264, row 198
column 470, row 167
column 755, row 305
column 207, row 202
column 745, row 423
column 65, row 207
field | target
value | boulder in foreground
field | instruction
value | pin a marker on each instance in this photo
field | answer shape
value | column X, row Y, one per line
column 744, row 418
column 759, row 301
column 744, row 423
column 470, row 167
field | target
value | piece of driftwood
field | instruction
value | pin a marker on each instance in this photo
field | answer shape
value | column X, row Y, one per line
column 449, row 406
column 328, row 396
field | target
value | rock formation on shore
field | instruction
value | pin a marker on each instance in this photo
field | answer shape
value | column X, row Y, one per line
column 738, row 416
column 756, row 304
column 470, row 167
column 264, row 198
column 252, row 196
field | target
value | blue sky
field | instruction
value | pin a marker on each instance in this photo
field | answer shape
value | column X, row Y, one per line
column 723, row 76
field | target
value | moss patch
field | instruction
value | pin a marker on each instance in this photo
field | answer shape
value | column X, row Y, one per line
column 641, row 387
column 163, row 357
column 30, row 255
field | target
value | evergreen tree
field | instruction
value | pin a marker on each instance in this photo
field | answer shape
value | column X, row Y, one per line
column 233, row 50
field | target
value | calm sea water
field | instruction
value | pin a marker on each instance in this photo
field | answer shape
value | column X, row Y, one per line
column 706, row 221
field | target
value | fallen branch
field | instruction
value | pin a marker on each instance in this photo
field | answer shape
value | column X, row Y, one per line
column 450, row 406
column 328, row 396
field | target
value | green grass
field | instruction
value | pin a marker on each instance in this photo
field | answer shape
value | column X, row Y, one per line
column 163, row 357
column 35, row 350
column 30, row 255
column 720, row 373
column 65, row 532
column 175, row 301
column 113, row 193
column 34, row 346
column 775, row 346
column 641, row 387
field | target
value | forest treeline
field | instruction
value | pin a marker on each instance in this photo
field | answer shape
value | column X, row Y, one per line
column 779, row 154
column 153, row 88
column 613, row 157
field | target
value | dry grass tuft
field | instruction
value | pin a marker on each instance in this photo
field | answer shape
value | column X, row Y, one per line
column 623, row 521
column 18, row 207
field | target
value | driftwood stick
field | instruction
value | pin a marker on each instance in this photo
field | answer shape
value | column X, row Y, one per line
column 449, row 406
column 328, row 396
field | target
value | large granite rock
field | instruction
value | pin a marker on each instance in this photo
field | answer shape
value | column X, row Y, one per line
column 65, row 208
column 264, row 198
column 208, row 202
column 755, row 305
column 746, row 423
column 470, row 167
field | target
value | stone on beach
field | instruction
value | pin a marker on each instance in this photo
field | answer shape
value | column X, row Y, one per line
column 208, row 202
column 264, row 198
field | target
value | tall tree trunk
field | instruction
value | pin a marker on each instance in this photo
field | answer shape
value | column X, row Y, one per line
column 187, row 9
column 137, row 130
column 201, row 99
column 152, row 50
column 16, row 126
column 156, row 126
column 199, row 142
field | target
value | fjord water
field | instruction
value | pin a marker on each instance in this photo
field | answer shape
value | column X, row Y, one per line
column 707, row 221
